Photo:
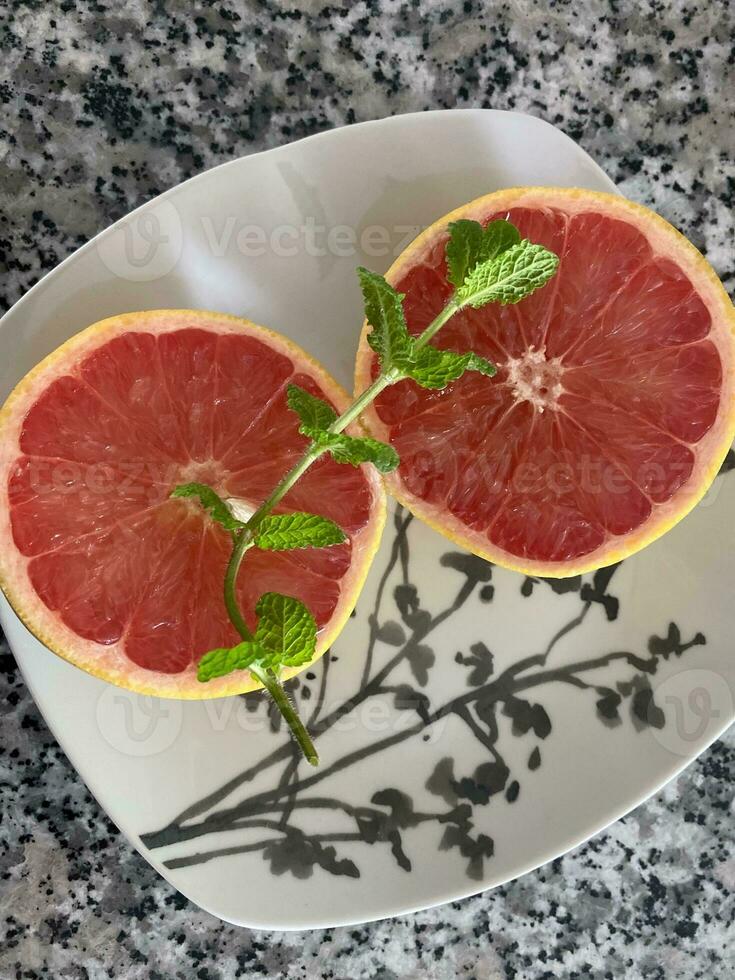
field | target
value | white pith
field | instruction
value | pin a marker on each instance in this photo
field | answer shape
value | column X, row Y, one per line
column 536, row 379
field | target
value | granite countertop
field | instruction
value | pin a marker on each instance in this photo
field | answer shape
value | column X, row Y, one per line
column 106, row 105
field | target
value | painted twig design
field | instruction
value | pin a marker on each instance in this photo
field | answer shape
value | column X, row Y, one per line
column 272, row 815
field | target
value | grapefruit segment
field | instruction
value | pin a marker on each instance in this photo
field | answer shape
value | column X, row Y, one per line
column 267, row 371
column 661, row 463
column 600, row 257
column 676, row 389
column 613, row 405
column 67, row 406
column 547, row 227
column 210, row 631
column 656, row 308
column 96, row 558
column 140, row 399
column 95, row 582
column 159, row 628
column 37, row 485
column 188, row 363
column 530, row 524
column 336, row 492
column 269, row 571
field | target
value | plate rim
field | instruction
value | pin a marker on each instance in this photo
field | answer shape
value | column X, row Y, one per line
column 385, row 121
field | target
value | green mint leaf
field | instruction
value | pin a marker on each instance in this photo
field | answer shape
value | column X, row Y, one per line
column 285, row 637
column 463, row 249
column 498, row 236
column 469, row 244
column 510, row 277
column 315, row 414
column 213, row 504
column 434, row 368
column 286, row 629
column 389, row 337
column 349, row 449
column 223, row 660
column 282, row 532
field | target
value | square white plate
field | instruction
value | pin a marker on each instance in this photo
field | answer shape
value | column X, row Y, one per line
column 401, row 815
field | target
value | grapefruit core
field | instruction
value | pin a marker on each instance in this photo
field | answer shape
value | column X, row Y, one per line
column 613, row 406
column 97, row 560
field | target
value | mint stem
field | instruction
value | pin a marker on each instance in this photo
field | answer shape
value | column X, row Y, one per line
column 243, row 541
column 383, row 381
column 312, row 454
column 273, row 686
column 294, row 474
column 438, row 322
column 244, row 538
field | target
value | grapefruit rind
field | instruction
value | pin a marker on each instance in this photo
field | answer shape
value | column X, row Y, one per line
column 666, row 241
column 109, row 663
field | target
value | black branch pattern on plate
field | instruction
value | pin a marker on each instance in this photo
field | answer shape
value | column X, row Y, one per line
column 493, row 701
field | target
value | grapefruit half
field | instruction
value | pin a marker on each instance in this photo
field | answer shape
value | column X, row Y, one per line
column 613, row 406
column 96, row 559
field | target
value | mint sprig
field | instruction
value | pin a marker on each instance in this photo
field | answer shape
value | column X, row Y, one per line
column 284, row 637
column 484, row 265
column 404, row 356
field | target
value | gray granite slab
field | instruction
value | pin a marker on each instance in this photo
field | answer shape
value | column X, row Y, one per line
column 105, row 105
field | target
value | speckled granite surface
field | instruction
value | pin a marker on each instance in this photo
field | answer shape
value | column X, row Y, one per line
column 104, row 105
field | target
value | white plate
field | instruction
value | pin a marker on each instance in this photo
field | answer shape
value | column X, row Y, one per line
column 588, row 698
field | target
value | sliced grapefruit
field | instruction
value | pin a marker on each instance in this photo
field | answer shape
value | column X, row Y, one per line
column 613, row 406
column 97, row 560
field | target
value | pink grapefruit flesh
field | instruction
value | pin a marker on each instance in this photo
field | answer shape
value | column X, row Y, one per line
column 613, row 405
column 95, row 557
